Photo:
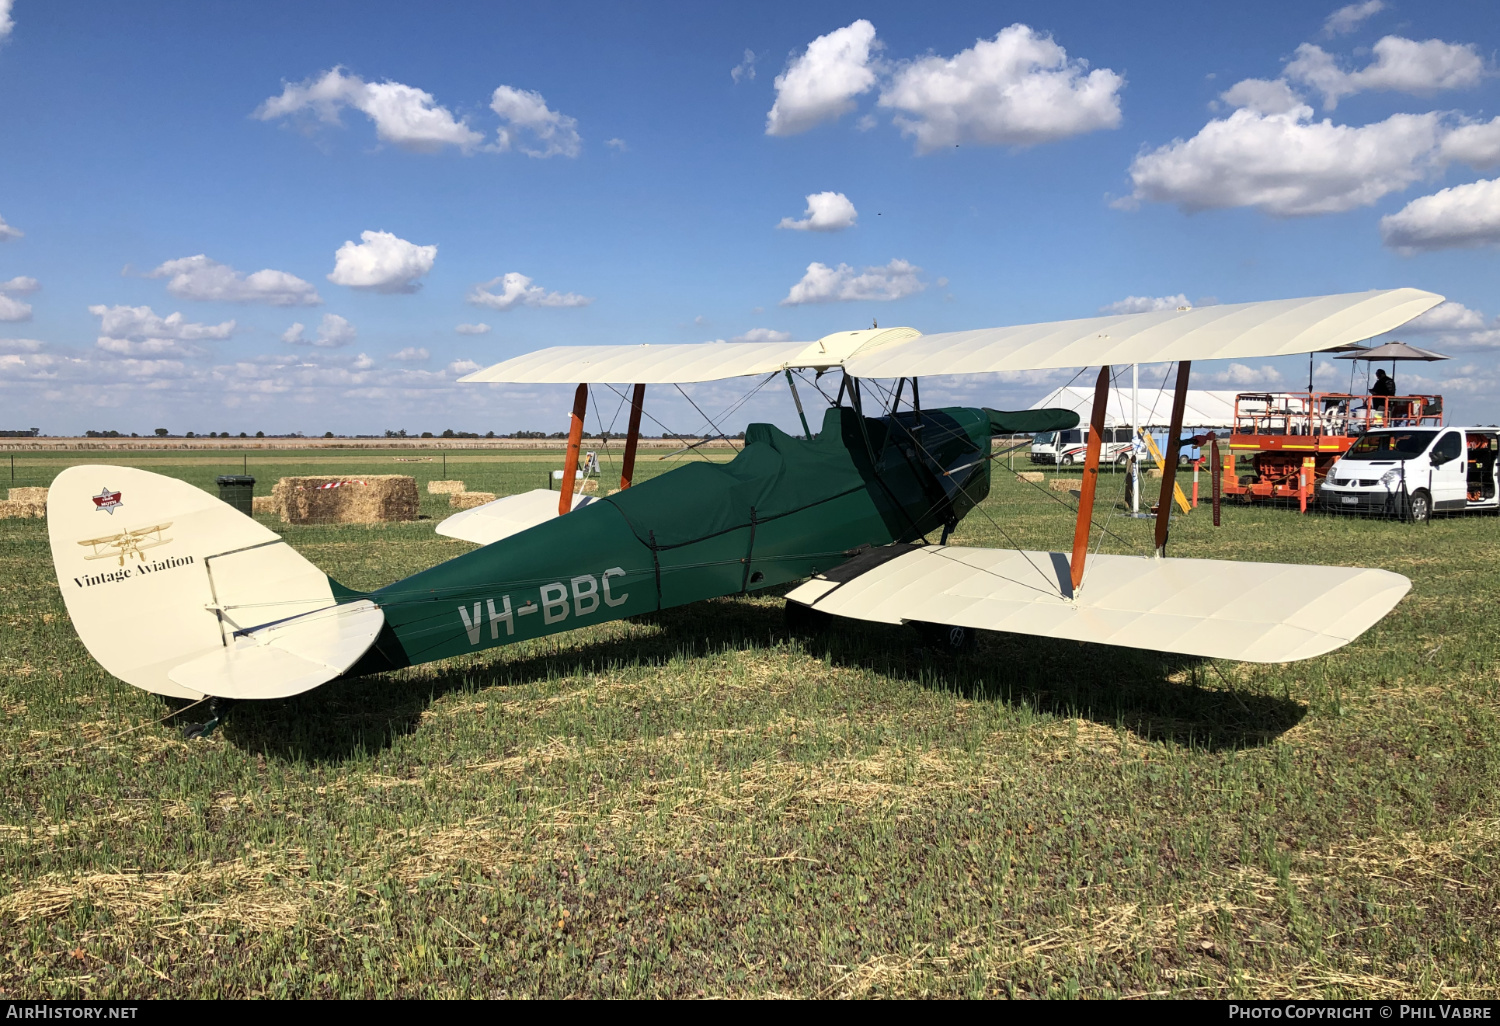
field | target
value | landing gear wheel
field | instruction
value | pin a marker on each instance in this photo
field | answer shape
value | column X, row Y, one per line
column 217, row 707
column 804, row 621
column 947, row 638
column 1419, row 506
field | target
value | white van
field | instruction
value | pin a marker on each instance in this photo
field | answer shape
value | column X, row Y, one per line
column 1415, row 472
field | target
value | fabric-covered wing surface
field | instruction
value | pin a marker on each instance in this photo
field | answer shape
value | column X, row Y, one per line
column 511, row 514
column 1277, row 328
column 647, row 364
column 1220, row 609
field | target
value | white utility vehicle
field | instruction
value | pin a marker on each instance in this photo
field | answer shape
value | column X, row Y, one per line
column 1415, row 472
column 1069, row 447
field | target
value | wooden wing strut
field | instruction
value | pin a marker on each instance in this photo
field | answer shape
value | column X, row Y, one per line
column 575, row 440
column 633, row 437
column 1090, row 479
column 1169, row 467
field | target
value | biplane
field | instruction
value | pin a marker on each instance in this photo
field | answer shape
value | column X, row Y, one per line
column 859, row 511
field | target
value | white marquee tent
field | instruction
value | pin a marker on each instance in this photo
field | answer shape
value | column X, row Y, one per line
column 1203, row 409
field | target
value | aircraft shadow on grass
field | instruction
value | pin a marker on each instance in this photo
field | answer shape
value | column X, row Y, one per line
column 1158, row 697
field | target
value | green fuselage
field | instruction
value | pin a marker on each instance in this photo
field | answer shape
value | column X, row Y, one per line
column 781, row 510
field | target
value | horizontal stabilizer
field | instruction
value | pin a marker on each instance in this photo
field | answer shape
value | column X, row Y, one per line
column 506, row 516
column 1217, row 609
column 287, row 658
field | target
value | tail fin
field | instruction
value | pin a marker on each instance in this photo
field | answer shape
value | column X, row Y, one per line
column 180, row 594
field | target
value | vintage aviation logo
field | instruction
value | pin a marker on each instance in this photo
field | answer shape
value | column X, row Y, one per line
column 127, row 543
column 107, row 501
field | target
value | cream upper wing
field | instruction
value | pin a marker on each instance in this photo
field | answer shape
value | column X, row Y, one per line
column 1280, row 327
column 649, row 364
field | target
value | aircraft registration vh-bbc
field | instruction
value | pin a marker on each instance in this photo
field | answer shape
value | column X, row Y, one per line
column 221, row 607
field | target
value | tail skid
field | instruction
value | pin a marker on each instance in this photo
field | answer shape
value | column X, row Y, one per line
column 180, row 594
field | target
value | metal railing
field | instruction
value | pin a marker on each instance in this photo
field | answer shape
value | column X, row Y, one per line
column 1331, row 413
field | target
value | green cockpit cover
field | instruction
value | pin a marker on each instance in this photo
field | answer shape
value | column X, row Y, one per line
column 1025, row 422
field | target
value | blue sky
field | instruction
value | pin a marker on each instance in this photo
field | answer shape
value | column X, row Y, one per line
column 992, row 164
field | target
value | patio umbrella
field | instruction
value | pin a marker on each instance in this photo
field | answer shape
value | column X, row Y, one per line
column 1347, row 347
column 1392, row 351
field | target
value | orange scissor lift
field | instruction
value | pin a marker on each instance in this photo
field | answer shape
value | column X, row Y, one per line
column 1291, row 439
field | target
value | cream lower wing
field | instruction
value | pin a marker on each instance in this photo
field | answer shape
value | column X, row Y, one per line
column 506, row 516
column 1218, row 609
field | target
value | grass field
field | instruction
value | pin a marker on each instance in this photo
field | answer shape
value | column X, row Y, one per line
column 695, row 804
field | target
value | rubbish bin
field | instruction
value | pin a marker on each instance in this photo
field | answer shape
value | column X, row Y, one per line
column 239, row 491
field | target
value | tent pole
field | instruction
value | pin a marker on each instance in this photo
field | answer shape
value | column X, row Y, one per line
column 1135, row 436
column 1090, row 480
column 575, row 439
column 1174, row 449
column 633, row 437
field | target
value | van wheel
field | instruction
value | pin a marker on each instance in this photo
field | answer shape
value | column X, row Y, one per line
column 1419, row 506
column 1067, row 460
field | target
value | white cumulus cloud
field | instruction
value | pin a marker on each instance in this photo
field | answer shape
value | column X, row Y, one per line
column 14, row 309
column 1239, row 375
column 1287, row 164
column 472, row 329
column 824, row 284
column 20, row 285
column 1400, row 65
column 1146, row 304
column 411, row 353
column 333, row 332
column 821, row 83
column 532, row 127
column 382, row 263
column 763, row 335
column 142, row 323
column 461, row 367
column 6, row 231
column 1477, row 145
column 6, row 21
column 1459, row 217
column 517, row 290
column 1348, row 18
column 826, row 212
column 198, row 277
column 1018, row 89
column 1455, row 325
column 403, row 115
column 1264, row 96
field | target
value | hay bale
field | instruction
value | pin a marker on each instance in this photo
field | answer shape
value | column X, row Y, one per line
column 468, row 500
column 1065, row 484
column 379, row 498
column 445, row 487
column 1154, row 474
column 13, row 509
column 1034, row 476
column 29, row 495
column 265, row 504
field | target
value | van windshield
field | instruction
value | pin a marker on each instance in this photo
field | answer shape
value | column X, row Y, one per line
column 1043, row 438
column 1390, row 445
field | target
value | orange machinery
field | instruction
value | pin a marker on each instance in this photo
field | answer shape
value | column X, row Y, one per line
column 1276, row 431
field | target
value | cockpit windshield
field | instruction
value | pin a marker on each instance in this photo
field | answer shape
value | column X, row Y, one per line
column 1390, row 445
